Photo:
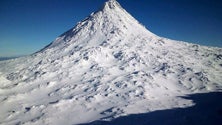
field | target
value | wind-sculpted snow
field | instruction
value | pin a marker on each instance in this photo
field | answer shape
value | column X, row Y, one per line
column 107, row 66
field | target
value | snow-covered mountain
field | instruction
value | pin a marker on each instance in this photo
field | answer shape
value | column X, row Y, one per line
column 107, row 66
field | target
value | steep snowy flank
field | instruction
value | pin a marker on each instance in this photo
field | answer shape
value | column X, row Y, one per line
column 107, row 66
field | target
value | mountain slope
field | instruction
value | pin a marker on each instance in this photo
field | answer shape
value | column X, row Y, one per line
column 107, row 66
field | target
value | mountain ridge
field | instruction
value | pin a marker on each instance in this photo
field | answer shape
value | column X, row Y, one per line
column 104, row 15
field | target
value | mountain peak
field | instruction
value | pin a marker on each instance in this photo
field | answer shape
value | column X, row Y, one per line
column 112, row 20
column 111, row 4
column 107, row 66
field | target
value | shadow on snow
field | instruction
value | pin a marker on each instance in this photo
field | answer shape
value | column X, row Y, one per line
column 206, row 111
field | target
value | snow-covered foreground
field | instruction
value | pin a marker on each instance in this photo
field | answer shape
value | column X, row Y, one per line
column 107, row 66
column 206, row 111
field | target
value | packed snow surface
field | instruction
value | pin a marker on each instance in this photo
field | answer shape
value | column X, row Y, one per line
column 107, row 66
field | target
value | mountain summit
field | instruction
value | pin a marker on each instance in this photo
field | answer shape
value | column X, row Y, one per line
column 111, row 21
column 107, row 66
column 111, row 4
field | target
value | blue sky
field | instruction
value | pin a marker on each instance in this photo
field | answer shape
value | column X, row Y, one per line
column 26, row 26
